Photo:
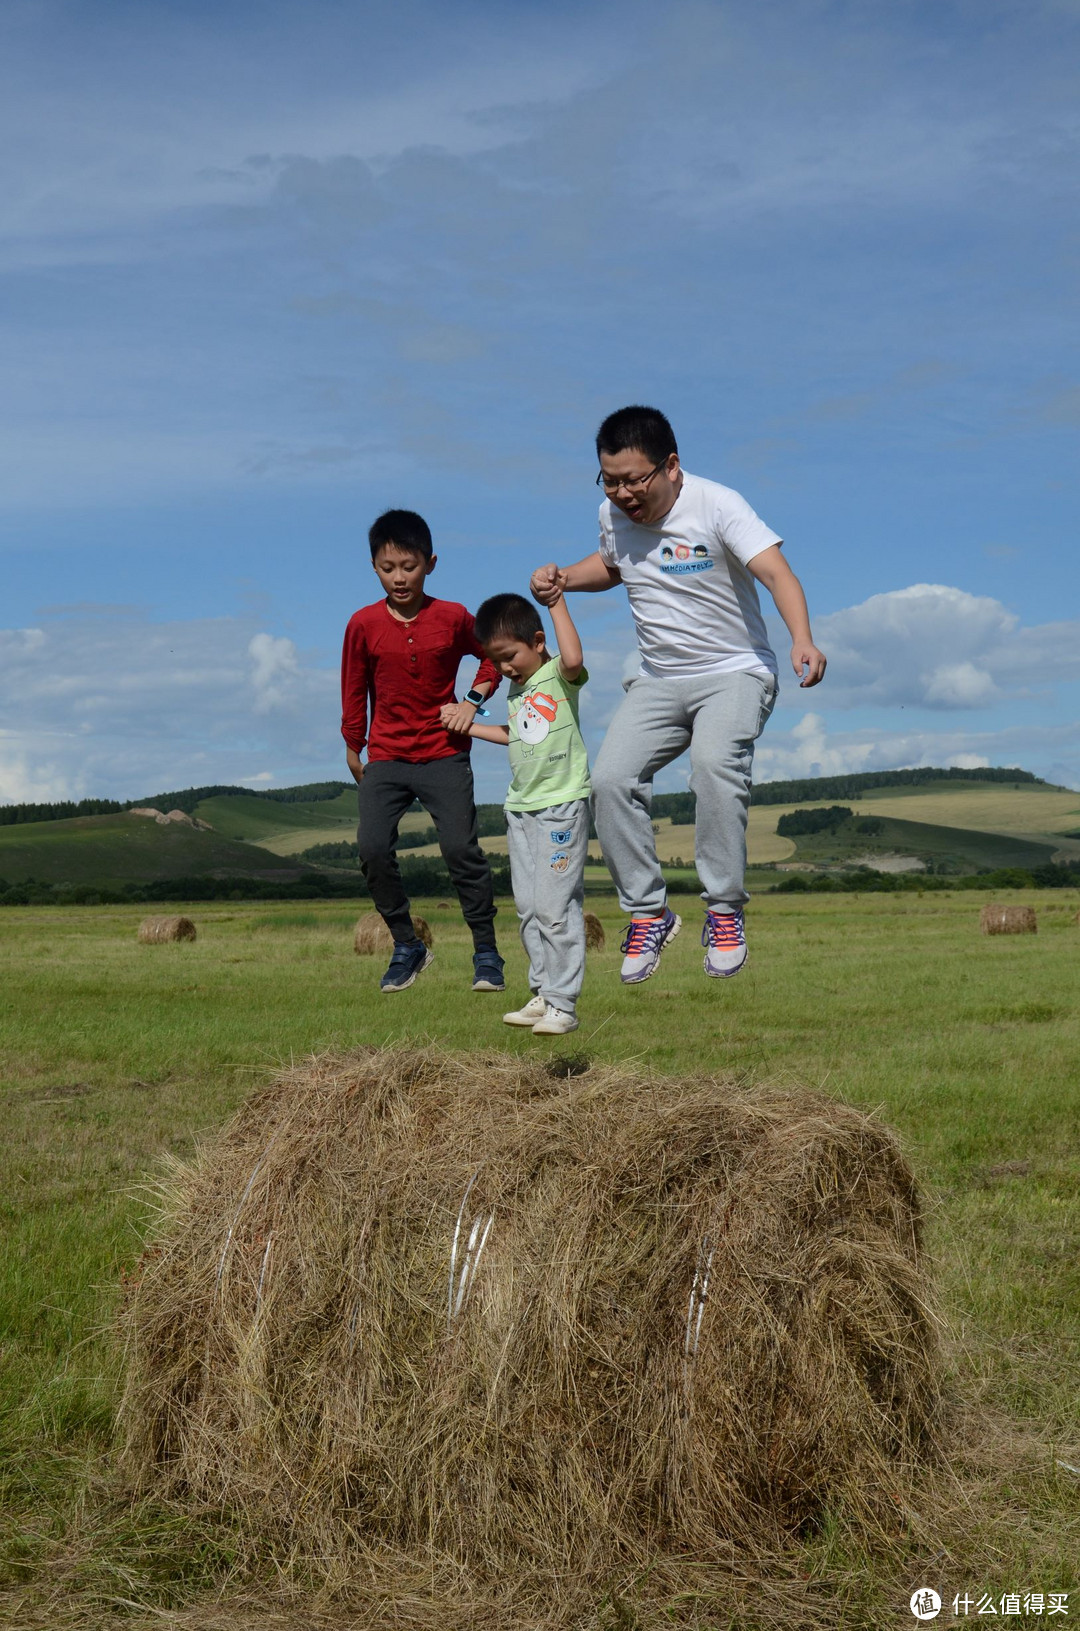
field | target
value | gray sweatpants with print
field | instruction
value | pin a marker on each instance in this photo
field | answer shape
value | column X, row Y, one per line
column 719, row 718
column 548, row 850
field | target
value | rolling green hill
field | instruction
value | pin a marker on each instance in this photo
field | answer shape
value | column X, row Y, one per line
column 247, row 817
column 116, row 849
column 941, row 848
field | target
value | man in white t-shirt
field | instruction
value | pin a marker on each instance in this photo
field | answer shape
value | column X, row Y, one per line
column 690, row 554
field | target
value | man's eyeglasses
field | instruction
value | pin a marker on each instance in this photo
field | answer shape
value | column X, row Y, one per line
column 633, row 484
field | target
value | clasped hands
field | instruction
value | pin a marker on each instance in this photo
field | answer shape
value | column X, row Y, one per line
column 548, row 583
column 457, row 717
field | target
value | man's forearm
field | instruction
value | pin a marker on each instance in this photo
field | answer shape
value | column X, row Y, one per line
column 590, row 575
column 772, row 570
column 790, row 602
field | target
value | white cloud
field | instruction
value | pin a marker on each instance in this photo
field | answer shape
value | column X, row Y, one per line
column 811, row 748
column 104, row 702
column 22, row 783
column 276, row 678
column 959, row 685
column 931, row 646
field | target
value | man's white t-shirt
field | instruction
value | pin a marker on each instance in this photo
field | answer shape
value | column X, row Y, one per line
column 695, row 605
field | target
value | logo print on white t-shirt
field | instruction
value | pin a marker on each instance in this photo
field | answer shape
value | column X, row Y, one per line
column 536, row 717
column 680, row 560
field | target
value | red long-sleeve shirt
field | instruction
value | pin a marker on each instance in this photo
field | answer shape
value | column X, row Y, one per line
column 408, row 670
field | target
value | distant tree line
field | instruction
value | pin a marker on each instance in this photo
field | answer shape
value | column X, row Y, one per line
column 832, row 818
column 864, row 881
column 13, row 815
column 850, row 787
column 422, row 875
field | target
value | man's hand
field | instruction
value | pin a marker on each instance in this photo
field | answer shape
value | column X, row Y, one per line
column 457, row 717
column 548, row 583
column 355, row 764
column 804, row 654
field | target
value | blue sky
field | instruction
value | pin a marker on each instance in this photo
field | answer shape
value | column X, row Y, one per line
column 266, row 269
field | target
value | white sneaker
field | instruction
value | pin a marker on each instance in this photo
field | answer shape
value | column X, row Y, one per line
column 556, row 1022
column 724, row 939
column 645, row 940
column 533, row 1010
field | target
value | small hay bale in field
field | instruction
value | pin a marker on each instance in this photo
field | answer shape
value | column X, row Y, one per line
column 995, row 919
column 594, row 932
column 152, row 930
column 414, row 1311
column 371, row 937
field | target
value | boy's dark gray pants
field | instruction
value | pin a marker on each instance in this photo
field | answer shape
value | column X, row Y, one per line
column 445, row 789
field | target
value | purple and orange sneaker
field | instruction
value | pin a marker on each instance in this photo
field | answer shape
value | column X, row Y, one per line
column 646, row 938
column 724, row 939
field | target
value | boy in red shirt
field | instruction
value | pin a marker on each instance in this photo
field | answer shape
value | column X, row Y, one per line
column 404, row 653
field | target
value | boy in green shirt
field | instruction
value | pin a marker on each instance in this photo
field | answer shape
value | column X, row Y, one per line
column 547, row 807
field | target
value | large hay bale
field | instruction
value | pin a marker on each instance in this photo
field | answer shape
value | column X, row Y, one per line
column 594, row 932
column 372, row 938
column 152, row 930
column 418, row 1309
column 995, row 919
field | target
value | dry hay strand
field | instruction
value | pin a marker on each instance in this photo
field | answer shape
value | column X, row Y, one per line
column 371, row 937
column 427, row 1317
column 594, row 932
column 153, row 930
column 995, row 919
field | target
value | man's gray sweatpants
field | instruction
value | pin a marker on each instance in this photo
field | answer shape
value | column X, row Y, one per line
column 718, row 717
column 548, row 850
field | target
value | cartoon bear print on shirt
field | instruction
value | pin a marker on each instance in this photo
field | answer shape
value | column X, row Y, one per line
column 535, row 719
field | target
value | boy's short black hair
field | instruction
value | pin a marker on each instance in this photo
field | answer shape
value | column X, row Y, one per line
column 508, row 617
column 404, row 528
column 643, row 428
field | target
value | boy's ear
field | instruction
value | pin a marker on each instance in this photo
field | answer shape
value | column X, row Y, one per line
column 539, row 640
column 430, row 567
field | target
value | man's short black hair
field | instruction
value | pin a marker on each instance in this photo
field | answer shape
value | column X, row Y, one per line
column 508, row 617
column 404, row 528
column 643, row 428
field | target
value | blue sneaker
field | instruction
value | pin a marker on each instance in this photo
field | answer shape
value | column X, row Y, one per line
column 410, row 959
column 487, row 970
column 645, row 940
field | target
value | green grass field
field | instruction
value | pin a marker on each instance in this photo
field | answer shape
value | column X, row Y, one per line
column 117, row 1055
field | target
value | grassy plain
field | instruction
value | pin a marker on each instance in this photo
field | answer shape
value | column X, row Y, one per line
column 117, row 1055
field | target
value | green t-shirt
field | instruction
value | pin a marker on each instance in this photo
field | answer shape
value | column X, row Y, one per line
column 548, row 762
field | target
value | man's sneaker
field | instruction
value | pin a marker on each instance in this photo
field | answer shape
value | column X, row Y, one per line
column 487, row 970
column 645, row 940
column 410, row 959
column 533, row 1010
column 724, row 939
column 556, row 1022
